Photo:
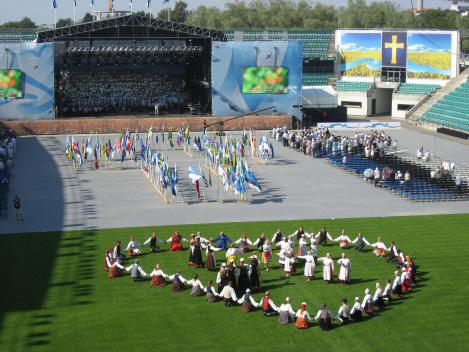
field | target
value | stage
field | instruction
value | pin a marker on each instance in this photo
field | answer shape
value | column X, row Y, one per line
column 119, row 123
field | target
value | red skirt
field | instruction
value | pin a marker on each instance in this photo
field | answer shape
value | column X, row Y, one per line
column 158, row 281
column 114, row 272
column 176, row 247
column 247, row 307
column 406, row 285
column 301, row 323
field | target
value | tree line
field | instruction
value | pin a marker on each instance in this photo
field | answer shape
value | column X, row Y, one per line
column 279, row 14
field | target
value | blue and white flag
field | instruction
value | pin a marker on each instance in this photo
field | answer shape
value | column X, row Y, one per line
column 148, row 3
column 54, row 4
column 92, row 3
column 75, row 2
column 130, row 5
column 193, row 175
column 165, row 2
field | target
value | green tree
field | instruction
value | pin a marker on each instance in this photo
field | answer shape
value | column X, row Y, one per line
column 462, row 22
column 87, row 18
column 208, row 17
column 438, row 19
column 26, row 22
column 235, row 15
column 64, row 22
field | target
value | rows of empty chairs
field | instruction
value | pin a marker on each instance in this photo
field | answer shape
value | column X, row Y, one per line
column 315, row 42
column 353, row 86
column 452, row 110
column 415, row 88
column 316, row 79
column 9, row 36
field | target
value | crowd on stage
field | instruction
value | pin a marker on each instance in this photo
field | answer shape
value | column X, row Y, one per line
column 317, row 142
column 85, row 93
column 238, row 278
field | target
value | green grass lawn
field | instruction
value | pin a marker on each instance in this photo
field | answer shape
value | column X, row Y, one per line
column 56, row 295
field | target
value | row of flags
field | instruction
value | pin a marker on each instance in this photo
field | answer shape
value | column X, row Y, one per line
column 148, row 4
column 229, row 158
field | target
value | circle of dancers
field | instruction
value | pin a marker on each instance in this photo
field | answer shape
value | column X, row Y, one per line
column 236, row 279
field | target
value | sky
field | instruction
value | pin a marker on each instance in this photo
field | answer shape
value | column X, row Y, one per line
column 41, row 11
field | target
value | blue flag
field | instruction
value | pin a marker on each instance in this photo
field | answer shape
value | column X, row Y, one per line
column 92, row 3
column 193, row 175
column 54, row 4
column 75, row 1
column 148, row 3
column 165, row 2
column 251, row 181
column 130, row 5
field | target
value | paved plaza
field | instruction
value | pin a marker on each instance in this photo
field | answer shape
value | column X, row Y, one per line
column 56, row 197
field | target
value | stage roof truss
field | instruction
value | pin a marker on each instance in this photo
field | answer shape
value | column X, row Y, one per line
column 131, row 49
column 129, row 21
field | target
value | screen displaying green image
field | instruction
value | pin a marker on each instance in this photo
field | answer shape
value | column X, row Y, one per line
column 10, row 84
column 266, row 79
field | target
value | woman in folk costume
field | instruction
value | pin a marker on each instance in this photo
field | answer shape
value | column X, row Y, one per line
column 158, row 277
column 356, row 312
column 344, row 270
column 222, row 277
column 302, row 317
column 344, row 240
column 175, row 240
column 210, row 261
column 244, row 243
column 405, row 278
column 378, row 299
column 380, row 248
column 197, row 254
column 325, row 316
column 367, row 304
column 115, row 269
column 197, row 287
column 242, row 275
column 191, row 250
column 310, row 265
column 231, row 274
column 302, row 247
column 254, row 269
column 266, row 254
column 328, row 269
column 178, row 283
column 248, row 303
column 231, row 254
column 107, row 259
column 132, row 247
column 211, row 293
column 286, row 312
column 314, row 247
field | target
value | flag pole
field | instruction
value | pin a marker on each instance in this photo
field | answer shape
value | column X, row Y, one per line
column 55, row 17
column 74, row 14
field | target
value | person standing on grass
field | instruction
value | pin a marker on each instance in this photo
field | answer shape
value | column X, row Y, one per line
column 323, row 235
column 309, row 265
column 17, row 206
column 132, row 247
column 176, row 242
column 222, row 278
column 328, row 268
column 224, row 240
column 266, row 254
column 345, row 269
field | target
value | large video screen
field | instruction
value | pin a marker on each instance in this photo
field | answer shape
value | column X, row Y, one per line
column 10, row 84
column 265, row 80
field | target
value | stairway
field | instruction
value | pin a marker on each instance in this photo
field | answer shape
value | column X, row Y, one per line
column 414, row 116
